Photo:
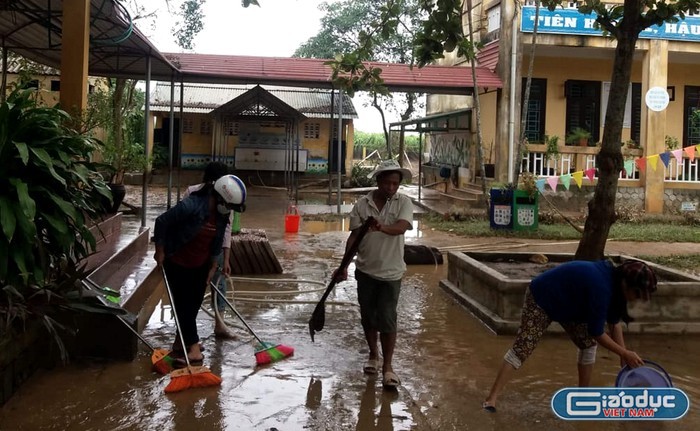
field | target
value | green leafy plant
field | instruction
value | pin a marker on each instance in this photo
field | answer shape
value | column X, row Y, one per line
column 49, row 192
column 671, row 143
column 577, row 135
column 551, row 147
column 358, row 175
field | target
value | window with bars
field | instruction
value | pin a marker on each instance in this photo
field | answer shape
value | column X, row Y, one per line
column 535, row 118
column 691, row 122
column 583, row 107
column 187, row 125
column 312, row 130
column 231, row 128
column 205, row 126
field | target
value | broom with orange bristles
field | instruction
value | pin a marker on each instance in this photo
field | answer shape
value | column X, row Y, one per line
column 190, row 376
column 267, row 352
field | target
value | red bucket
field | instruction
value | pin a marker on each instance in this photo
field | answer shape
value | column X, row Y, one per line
column 291, row 220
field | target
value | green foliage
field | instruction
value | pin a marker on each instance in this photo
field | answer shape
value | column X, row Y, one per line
column 376, row 141
column 358, row 176
column 671, row 142
column 576, row 135
column 118, row 110
column 48, row 193
column 191, row 24
column 551, row 146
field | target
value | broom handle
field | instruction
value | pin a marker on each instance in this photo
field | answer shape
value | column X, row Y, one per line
column 216, row 289
column 347, row 258
column 104, row 302
column 177, row 321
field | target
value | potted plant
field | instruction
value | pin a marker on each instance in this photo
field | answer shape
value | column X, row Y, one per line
column 578, row 136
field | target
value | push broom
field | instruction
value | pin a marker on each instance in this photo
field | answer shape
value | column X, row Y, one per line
column 190, row 376
column 162, row 362
column 267, row 352
column 318, row 317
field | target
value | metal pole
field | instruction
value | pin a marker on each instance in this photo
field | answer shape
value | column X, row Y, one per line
column 420, row 163
column 171, row 140
column 147, row 117
column 340, row 144
column 330, row 146
column 179, row 134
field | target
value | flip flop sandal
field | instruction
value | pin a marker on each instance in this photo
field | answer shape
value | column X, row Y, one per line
column 390, row 380
column 181, row 363
column 371, row 367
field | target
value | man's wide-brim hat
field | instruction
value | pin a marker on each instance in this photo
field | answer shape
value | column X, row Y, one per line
column 391, row 165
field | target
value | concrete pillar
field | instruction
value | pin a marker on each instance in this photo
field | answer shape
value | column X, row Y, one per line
column 653, row 130
column 508, row 100
column 75, row 44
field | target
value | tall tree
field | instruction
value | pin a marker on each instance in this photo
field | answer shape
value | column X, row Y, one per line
column 348, row 26
column 624, row 22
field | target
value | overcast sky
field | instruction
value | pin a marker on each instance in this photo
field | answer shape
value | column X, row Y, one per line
column 275, row 29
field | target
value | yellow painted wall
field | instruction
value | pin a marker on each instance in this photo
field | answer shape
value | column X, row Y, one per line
column 487, row 102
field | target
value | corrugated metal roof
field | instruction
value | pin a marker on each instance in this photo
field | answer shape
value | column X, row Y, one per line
column 202, row 98
column 313, row 73
column 34, row 29
column 488, row 56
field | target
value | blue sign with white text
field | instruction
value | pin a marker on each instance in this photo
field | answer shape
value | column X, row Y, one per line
column 571, row 21
column 620, row 403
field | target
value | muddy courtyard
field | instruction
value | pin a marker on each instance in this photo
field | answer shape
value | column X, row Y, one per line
column 445, row 357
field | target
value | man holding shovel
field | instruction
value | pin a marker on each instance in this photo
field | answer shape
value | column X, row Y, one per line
column 380, row 265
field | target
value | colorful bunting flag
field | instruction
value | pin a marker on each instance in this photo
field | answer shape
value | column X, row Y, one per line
column 540, row 185
column 566, row 180
column 590, row 173
column 552, row 181
column 641, row 164
column 578, row 178
column 629, row 167
column 653, row 161
column 690, row 151
column 678, row 154
column 665, row 157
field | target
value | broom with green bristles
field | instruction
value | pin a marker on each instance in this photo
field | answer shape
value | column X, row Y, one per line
column 267, row 352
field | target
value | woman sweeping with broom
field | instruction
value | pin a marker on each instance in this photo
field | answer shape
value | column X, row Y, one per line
column 188, row 237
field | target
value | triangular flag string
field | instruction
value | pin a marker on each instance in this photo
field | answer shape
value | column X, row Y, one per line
column 540, row 185
column 665, row 157
column 552, row 181
column 641, row 164
column 629, row 167
column 578, row 178
column 678, row 154
column 566, row 180
column 590, row 173
column 690, row 151
column 653, row 161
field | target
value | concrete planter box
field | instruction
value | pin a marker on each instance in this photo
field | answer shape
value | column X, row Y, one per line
column 496, row 299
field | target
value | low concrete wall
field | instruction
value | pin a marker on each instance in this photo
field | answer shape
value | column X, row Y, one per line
column 497, row 300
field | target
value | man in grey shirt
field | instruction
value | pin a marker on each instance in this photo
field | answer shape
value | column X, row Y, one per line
column 380, row 264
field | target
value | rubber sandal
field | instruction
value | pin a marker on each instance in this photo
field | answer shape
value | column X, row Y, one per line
column 371, row 367
column 390, row 380
column 488, row 407
column 181, row 363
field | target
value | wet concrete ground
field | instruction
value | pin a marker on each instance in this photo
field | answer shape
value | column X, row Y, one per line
column 445, row 357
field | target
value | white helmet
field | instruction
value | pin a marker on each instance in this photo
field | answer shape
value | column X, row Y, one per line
column 233, row 191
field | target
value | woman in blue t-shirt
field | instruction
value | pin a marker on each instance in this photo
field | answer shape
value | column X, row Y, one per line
column 582, row 296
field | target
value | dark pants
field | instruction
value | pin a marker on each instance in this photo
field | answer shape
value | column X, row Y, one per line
column 188, row 286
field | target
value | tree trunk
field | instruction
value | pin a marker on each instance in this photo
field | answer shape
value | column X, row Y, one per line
column 609, row 161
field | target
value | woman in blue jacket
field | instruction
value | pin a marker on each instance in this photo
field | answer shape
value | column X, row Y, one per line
column 582, row 296
column 188, row 237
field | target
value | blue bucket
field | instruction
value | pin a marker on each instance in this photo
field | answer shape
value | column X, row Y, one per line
column 649, row 375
